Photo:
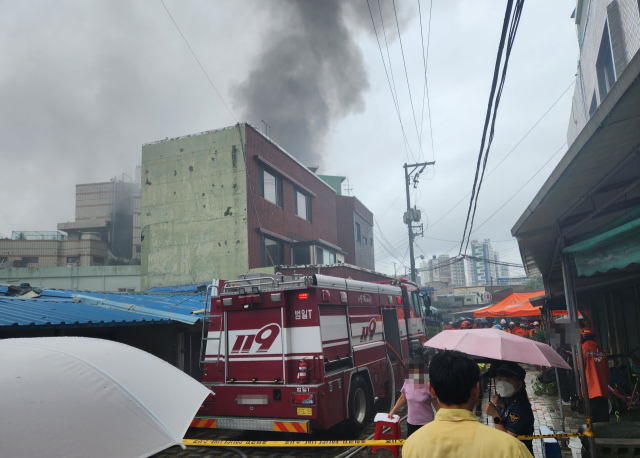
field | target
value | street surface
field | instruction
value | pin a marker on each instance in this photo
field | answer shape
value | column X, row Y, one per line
column 545, row 409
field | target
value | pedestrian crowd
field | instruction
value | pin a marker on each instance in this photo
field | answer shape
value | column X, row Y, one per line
column 452, row 392
column 520, row 328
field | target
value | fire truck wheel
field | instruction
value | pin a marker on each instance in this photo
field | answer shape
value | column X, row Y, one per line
column 360, row 406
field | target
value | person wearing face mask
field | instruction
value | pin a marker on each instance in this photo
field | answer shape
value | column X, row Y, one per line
column 418, row 398
column 511, row 409
column 455, row 431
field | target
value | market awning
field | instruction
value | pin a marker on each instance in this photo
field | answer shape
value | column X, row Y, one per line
column 517, row 304
column 613, row 246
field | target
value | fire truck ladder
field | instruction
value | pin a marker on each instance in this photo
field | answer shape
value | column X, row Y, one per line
column 206, row 321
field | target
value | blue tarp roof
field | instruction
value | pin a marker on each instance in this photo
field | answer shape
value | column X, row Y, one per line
column 17, row 313
column 84, row 307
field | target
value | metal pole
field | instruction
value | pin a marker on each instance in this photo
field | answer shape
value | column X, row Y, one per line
column 559, row 397
column 572, row 312
column 409, row 223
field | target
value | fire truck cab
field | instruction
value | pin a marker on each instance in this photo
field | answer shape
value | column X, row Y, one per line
column 295, row 354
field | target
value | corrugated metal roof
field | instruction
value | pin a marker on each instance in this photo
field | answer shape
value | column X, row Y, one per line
column 177, row 307
column 17, row 313
column 68, row 308
column 178, row 289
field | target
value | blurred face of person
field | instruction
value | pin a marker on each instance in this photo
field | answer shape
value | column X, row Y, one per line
column 417, row 374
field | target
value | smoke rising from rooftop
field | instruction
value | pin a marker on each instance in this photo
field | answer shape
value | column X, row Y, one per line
column 310, row 73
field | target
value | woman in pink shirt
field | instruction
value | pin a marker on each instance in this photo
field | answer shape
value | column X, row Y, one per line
column 420, row 403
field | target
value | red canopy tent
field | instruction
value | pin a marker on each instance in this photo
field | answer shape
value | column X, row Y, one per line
column 516, row 304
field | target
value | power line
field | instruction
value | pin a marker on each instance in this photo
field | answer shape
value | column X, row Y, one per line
column 521, row 188
column 426, row 85
column 415, row 122
column 196, row 58
column 509, row 153
column 389, row 81
column 515, row 21
column 494, row 83
column 516, row 193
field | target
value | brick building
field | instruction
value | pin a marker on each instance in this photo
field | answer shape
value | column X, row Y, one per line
column 230, row 201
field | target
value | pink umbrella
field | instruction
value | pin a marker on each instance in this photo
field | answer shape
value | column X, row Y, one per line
column 500, row 345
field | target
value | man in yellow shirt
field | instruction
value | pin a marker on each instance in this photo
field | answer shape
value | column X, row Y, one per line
column 455, row 432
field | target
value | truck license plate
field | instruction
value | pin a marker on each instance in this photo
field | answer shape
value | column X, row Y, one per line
column 304, row 411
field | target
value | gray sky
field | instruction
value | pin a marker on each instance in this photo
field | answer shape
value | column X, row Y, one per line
column 84, row 84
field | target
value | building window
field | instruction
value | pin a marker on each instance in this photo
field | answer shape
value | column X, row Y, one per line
column 138, row 249
column 98, row 260
column 604, row 64
column 73, row 259
column 358, row 233
column 3, row 259
column 271, row 252
column 302, row 205
column 30, row 259
column 364, row 240
column 301, row 256
column 270, row 186
column 371, row 240
column 324, row 256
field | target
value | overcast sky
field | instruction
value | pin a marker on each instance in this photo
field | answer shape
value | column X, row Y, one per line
column 84, row 84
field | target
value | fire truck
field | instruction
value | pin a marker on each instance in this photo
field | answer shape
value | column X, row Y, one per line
column 302, row 353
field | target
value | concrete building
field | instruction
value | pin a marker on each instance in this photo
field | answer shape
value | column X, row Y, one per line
column 109, row 279
column 229, row 201
column 51, row 249
column 482, row 271
column 608, row 37
column 112, row 210
column 355, row 231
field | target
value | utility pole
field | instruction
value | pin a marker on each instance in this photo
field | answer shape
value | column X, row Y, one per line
column 412, row 214
column 394, row 269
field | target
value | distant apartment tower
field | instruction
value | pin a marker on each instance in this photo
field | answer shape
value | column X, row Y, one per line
column 112, row 211
column 425, row 275
column 496, row 266
column 444, row 264
column 460, row 273
column 482, row 269
column 608, row 39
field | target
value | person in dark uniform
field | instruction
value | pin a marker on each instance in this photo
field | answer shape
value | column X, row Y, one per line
column 511, row 409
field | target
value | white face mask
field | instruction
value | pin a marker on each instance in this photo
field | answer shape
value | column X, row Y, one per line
column 505, row 389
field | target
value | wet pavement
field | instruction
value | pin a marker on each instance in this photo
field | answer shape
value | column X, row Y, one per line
column 545, row 408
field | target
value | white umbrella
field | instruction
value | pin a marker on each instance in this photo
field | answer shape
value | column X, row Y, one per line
column 81, row 397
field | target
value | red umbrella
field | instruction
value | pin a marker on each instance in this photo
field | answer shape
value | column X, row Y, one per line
column 500, row 345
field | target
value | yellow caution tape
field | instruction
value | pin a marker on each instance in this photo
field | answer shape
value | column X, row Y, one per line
column 353, row 443
column 554, row 436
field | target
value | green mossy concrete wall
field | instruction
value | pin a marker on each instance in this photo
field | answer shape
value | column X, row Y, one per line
column 194, row 209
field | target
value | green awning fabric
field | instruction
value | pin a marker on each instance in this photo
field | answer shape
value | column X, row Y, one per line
column 613, row 246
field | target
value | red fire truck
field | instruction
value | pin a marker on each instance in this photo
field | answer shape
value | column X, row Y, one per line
column 296, row 354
